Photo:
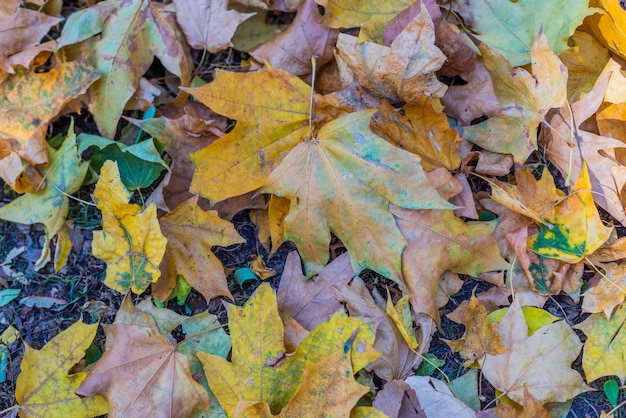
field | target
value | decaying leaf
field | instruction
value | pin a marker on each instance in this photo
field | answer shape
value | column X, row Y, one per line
column 260, row 369
column 190, row 234
column 605, row 346
column 50, row 206
column 480, row 337
column 272, row 118
column 405, row 70
column 608, row 26
column 342, row 181
column 141, row 373
column 30, row 100
column 439, row 241
column 208, row 24
column 539, row 362
column 132, row 33
column 131, row 242
column 45, row 387
column 524, row 100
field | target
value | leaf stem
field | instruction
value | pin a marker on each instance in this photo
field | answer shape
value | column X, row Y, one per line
column 314, row 69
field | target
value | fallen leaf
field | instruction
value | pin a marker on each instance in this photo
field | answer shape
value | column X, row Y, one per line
column 343, row 181
column 259, row 370
column 398, row 400
column 272, row 115
column 421, row 130
column 45, row 387
column 524, row 99
column 473, row 99
column 539, row 362
column 31, row 100
column 439, row 241
column 585, row 59
column 608, row 26
column 398, row 359
column 598, row 152
column 511, row 27
column 436, row 399
column 312, row 301
column 577, row 228
column 370, row 17
column 142, row 373
column 605, row 346
column 400, row 314
column 131, row 35
column 480, row 337
column 305, row 38
column 532, row 408
column 610, row 290
column 327, row 385
column 190, row 234
column 402, row 72
column 208, row 24
column 131, row 242
column 258, row 267
column 50, row 206
column 21, row 29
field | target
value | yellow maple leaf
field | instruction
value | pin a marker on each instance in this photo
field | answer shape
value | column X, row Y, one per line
column 608, row 27
column 272, row 112
column 260, row 369
column 131, row 242
column 577, row 229
column 46, row 389
column 605, row 347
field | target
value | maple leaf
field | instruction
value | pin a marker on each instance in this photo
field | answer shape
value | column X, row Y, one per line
column 311, row 302
column 419, row 129
column 259, row 370
column 305, row 38
column 604, row 349
column 30, row 100
column 532, row 408
column 539, row 362
column 598, row 152
column 608, row 26
column 190, row 234
column 272, row 110
column 141, row 373
column 403, row 71
column 208, row 24
column 524, row 99
column 480, row 337
column 439, row 241
column 511, row 27
column 21, row 30
column 585, row 59
column 132, row 33
column 45, row 388
column 50, row 206
column 398, row 359
column 610, row 290
column 342, row 182
column 436, row 399
column 328, row 385
column 577, row 229
column 131, row 242
column 371, row 17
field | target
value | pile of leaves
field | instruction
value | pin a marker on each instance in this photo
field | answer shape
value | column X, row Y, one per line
column 419, row 141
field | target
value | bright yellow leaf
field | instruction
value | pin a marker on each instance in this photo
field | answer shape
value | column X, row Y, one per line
column 400, row 314
column 46, row 389
column 608, row 27
column 131, row 242
column 605, row 348
column 577, row 229
column 272, row 112
column 260, row 369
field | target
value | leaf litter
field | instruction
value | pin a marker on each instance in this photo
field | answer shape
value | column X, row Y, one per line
column 379, row 176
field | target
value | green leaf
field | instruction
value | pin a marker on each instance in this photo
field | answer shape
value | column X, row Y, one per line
column 611, row 391
column 7, row 295
column 139, row 164
column 512, row 26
